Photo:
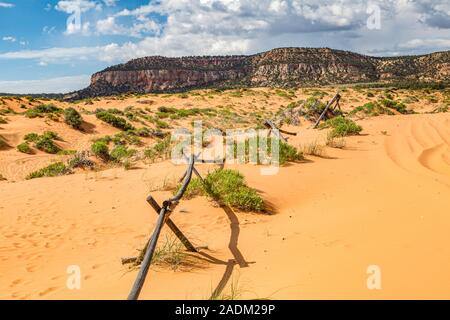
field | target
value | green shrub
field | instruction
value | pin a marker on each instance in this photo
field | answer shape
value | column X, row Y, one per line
column 161, row 124
column 143, row 132
column 100, row 149
column 371, row 109
column 342, row 127
column 46, row 144
column 287, row 153
column 41, row 110
column 50, row 135
column 73, row 118
column 121, row 152
column 53, row 170
column 400, row 107
column 24, row 148
column 229, row 187
column 126, row 137
column 441, row 109
column 160, row 150
column 116, row 122
column 31, row 137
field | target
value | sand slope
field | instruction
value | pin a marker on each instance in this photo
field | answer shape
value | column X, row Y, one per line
column 384, row 201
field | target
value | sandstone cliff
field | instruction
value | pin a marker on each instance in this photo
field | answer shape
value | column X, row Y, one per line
column 284, row 67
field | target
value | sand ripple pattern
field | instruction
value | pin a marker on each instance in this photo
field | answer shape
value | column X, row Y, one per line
column 422, row 145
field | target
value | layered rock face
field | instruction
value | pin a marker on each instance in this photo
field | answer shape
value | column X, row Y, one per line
column 284, row 67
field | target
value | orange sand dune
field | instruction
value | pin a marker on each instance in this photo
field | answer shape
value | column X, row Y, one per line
column 384, row 200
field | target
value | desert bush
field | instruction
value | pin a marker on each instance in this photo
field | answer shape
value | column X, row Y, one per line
column 51, row 135
column 31, row 137
column 161, row 124
column 80, row 160
column 161, row 150
column 66, row 152
column 121, row 152
column 53, row 170
column 128, row 137
column 47, row 145
column 3, row 120
column 24, row 148
column 400, row 107
column 313, row 149
column 371, row 109
column 113, row 120
column 335, row 142
column 289, row 153
column 41, row 110
column 73, row 118
column 228, row 187
column 143, row 132
column 286, row 152
column 441, row 109
column 342, row 127
column 100, row 149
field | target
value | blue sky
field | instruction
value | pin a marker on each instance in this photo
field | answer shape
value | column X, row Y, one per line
column 44, row 47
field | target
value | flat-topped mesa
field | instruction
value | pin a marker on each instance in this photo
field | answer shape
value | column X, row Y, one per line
column 283, row 67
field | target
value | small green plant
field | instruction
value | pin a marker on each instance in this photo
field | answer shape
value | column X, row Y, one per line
column 50, row 135
column 80, row 160
column 160, row 150
column 342, row 127
column 228, row 187
column 53, row 170
column 73, row 118
column 314, row 149
column 31, row 137
column 41, row 110
column 286, row 152
column 24, row 148
column 100, row 149
column 289, row 153
column 113, row 120
column 47, row 145
column 121, row 152
column 441, row 109
column 335, row 142
column 399, row 106
column 371, row 109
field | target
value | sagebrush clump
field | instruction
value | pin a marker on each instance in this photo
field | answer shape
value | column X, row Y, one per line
column 341, row 127
column 25, row 148
column 53, row 170
column 113, row 120
column 100, row 149
column 73, row 118
column 42, row 110
column 228, row 187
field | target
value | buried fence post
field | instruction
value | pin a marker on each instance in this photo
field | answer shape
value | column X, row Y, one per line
column 189, row 246
column 273, row 128
column 163, row 218
column 145, row 265
column 335, row 98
